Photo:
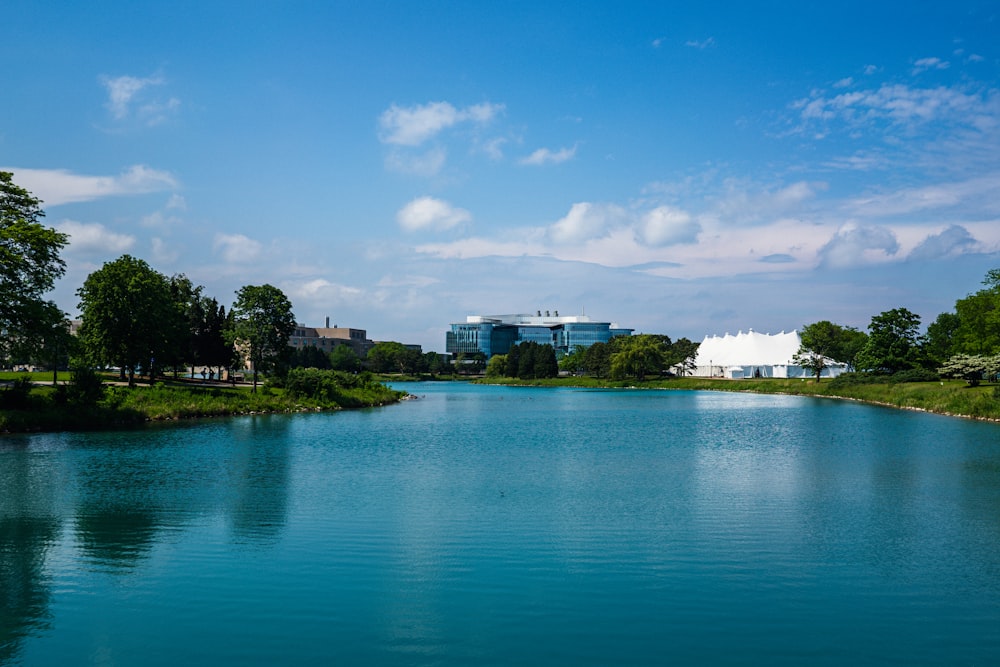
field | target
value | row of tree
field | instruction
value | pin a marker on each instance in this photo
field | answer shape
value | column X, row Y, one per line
column 622, row 357
column 962, row 343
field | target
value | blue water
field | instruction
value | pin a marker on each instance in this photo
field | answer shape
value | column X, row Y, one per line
column 499, row 526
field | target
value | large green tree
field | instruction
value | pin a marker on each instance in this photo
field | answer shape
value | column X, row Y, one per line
column 129, row 317
column 29, row 266
column 825, row 341
column 262, row 323
column 893, row 344
column 978, row 330
column 638, row 356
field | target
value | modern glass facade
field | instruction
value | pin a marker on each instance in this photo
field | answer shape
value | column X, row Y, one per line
column 492, row 335
column 487, row 337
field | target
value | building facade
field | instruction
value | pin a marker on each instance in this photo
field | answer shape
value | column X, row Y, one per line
column 326, row 338
column 495, row 334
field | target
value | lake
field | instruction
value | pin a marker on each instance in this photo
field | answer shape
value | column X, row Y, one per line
column 499, row 526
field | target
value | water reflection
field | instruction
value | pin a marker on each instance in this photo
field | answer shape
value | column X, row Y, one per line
column 117, row 494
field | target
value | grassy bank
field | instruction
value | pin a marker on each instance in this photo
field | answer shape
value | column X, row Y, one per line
column 45, row 409
column 947, row 397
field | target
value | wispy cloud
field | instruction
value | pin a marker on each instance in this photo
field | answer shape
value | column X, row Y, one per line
column 412, row 126
column 548, row 156
column 426, row 164
column 60, row 186
column 924, row 64
column 702, row 44
column 236, row 248
column 94, row 239
column 430, row 213
column 125, row 99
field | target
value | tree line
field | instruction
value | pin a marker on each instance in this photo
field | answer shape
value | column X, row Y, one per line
column 622, row 357
column 964, row 343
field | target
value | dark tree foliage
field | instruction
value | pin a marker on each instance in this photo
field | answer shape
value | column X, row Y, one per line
column 940, row 341
column 29, row 266
column 597, row 360
column 531, row 361
column 892, row 343
column 262, row 323
column 128, row 316
column 343, row 358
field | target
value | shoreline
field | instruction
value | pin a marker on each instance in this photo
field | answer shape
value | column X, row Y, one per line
column 917, row 399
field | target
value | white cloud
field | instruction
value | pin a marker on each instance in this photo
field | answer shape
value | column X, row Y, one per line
column 547, row 156
column 431, row 213
column 425, row 164
column 665, row 225
column 122, row 89
column 494, row 147
column 162, row 252
column 411, row 126
column 844, row 83
column 897, row 104
column 980, row 194
column 124, row 93
column 856, row 245
column 176, row 202
column 94, row 238
column 703, row 44
column 952, row 241
column 236, row 248
column 924, row 64
column 60, row 186
column 586, row 221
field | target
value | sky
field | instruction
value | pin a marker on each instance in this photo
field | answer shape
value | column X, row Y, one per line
column 679, row 168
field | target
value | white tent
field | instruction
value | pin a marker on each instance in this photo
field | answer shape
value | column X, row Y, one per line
column 753, row 354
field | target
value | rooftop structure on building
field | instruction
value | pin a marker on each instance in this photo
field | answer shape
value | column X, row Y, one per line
column 496, row 334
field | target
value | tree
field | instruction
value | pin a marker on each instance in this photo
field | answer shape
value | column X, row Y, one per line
column 127, row 315
column 638, row 356
column 343, row 358
column 262, row 324
column 971, row 368
column 387, row 357
column 574, row 362
column 940, row 340
column 681, row 355
column 822, row 342
column 978, row 330
column 496, row 366
column 213, row 348
column 598, row 360
column 29, row 265
column 892, row 342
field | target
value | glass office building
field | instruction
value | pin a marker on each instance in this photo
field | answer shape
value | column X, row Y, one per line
column 495, row 334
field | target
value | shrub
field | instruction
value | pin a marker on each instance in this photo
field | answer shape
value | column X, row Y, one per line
column 85, row 386
column 15, row 396
column 914, row 375
column 853, row 379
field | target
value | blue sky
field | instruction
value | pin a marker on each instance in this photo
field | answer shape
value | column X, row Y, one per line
column 679, row 168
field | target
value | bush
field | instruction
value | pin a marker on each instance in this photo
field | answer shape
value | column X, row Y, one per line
column 853, row 379
column 85, row 386
column 914, row 375
column 15, row 396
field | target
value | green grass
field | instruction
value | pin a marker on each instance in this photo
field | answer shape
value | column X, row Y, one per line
column 948, row 397
column 124, row 406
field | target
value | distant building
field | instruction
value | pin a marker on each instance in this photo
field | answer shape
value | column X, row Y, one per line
column 326, row 338
column 495, row 334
